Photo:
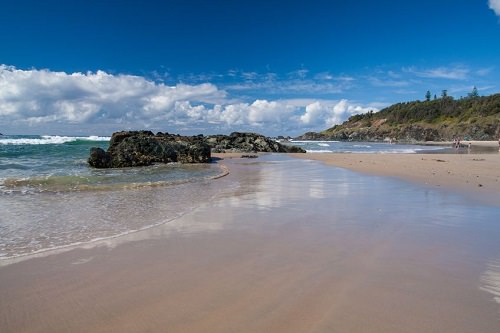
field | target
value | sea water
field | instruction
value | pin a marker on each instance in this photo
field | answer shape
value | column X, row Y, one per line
column 50, row 197
column 363, row 147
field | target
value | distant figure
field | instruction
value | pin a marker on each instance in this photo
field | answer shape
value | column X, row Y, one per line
column 469, row 147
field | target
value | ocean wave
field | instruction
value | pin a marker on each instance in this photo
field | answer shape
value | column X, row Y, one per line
column 78, row 183
column 314, row 141
column 15, row 166
column 491, row 280
column 51, row 139
column 318, row 151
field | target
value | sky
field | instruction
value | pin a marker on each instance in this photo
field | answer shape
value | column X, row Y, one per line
column 272, row 67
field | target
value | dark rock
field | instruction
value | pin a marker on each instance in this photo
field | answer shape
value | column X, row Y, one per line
column 312, row 136
column 99, row 158
column 248, row 143
column 141, row 148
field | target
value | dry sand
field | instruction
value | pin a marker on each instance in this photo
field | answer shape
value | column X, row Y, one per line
column 476, row 174
column 261, row 258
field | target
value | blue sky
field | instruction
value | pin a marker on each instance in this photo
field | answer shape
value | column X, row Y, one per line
column 274, row 67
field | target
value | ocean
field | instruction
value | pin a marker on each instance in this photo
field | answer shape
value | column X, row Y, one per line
column 50, row 198
column 364, row 147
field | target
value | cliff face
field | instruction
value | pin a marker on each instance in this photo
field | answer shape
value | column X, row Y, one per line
column 475, row 118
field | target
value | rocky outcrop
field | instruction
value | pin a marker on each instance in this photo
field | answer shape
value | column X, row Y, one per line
column 142, row 148
column 471, row 118
column 248, row 143
column 408, row 133
column 312, row 136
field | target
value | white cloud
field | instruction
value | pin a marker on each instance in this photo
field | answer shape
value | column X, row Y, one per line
column 329, row 114
column 292, row 87
column 47, row 100
column 378, row 82
column 455, row 73
column 495, row 6
column 42, row 96
column 299, row 73
column 484, row 71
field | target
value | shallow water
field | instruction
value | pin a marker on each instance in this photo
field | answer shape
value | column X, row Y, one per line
column 299, row 245
column 51, row 198
column 363, row 147
column 440, row 231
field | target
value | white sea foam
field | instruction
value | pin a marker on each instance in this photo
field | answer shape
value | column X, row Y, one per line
column 323, row 145
column 318, row 151
column 491, row 280
column 50, row 139
column 313, row 141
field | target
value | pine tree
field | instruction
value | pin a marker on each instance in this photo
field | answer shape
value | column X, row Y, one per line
column 428, row 96
column 474, row 93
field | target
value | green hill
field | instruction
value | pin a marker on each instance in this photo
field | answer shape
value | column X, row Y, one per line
column 472, row 118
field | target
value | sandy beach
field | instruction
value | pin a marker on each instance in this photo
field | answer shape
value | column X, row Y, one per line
column 476, row 174
column 469, row 174
column 287, row 245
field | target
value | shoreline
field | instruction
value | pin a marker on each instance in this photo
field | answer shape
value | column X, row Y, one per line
column 465, row 143
column 470, row 174
column 284, row 248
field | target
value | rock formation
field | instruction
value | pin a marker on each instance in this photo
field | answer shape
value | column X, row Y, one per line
column 141, row 148
column 248, row 143
column 471, row 118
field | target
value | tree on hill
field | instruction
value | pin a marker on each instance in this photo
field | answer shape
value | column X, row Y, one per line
column 442, row 119
column 428, row 96
column 474, row 93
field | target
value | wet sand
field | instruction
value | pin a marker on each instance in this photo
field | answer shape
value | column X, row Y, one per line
column 471, row 174
column 288, row 245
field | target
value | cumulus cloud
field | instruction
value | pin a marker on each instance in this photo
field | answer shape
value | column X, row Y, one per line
column 329, row 114
column 43, row 99
column 495, row 6
column 38, row 96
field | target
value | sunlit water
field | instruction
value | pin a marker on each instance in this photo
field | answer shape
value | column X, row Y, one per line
column 362, row 147
column 448, row 232
column 51, row 198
